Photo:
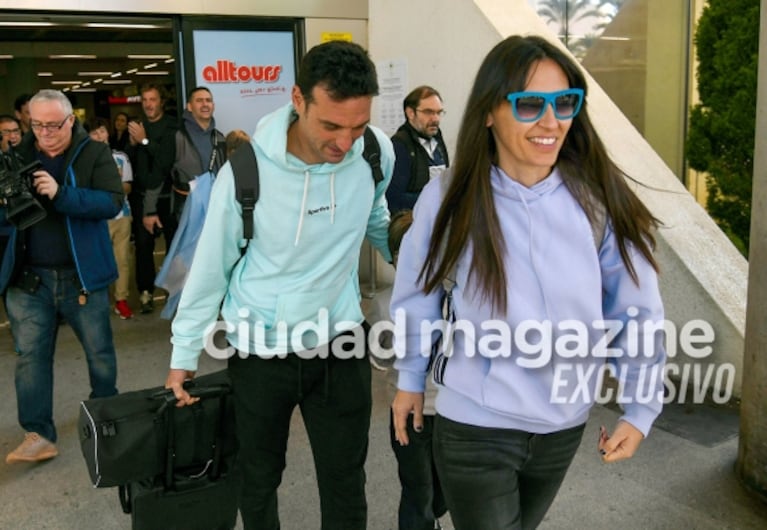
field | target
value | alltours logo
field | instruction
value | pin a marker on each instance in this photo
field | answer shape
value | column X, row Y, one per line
column 228, row 72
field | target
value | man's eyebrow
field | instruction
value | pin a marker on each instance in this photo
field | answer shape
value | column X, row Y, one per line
column 328, row 123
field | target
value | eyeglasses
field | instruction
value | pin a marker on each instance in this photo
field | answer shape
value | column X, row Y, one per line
column 432, row 113
column 50, row 127
column 530, row 106
column 8, row 132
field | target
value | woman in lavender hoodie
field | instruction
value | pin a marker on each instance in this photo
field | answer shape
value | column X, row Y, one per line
column 555, row 286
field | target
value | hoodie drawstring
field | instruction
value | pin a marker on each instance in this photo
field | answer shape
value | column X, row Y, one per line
column 303, row 208
column 332, row 197
column 530, row 249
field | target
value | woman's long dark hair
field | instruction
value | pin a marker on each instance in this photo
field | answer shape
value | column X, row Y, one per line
column 467, row 214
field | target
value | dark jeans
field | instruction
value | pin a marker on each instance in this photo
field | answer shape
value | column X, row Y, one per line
column 500, row 479
column 335, row 402
column 422, row 500
column 144, row 241
column 34, row 319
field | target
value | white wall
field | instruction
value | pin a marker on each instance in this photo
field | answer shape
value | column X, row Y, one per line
column 703, row 275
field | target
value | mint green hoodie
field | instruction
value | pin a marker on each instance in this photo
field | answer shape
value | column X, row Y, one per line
column 309, row 223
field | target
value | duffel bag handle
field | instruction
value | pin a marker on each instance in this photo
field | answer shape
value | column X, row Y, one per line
column 194, row 391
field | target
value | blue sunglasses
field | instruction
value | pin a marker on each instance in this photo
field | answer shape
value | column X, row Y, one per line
column 531, row 106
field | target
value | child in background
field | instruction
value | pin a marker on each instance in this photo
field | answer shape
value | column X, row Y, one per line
column 421, row 500
column 234, row 139
column 120, row 225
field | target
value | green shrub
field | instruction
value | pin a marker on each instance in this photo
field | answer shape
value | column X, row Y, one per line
column 720, row 140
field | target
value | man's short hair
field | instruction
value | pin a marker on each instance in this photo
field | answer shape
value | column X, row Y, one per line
column 4, row 118
column 154, row 86
column 48, row 94
column 190, row 94
column 413, row 99
column 21, row 100
column 342, row 68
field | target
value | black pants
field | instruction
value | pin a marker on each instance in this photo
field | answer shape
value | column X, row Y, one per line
column 500, row 479
column 421, row 501
column 144, row 241
column 335, row 402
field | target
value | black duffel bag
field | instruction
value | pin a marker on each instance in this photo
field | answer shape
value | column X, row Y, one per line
column 124, row 438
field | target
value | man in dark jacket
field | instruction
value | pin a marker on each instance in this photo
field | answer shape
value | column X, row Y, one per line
column 59, row 267
column 419, row 148
column 152, row 151
column 200, row 147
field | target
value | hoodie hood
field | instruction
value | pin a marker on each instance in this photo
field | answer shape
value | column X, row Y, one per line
column 271, row 138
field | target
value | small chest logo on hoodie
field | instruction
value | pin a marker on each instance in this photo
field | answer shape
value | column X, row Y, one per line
column 315, row 211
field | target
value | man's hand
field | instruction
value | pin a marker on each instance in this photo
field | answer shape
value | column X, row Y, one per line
column 621, row 445
column 136, row 132
column 404, row 403
column 175, row 382
column 45, row 184
column 150, row 221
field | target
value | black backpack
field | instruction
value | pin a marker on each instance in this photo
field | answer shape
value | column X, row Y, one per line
column 245, row 169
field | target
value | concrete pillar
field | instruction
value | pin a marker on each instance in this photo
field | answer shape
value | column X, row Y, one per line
column 751, row 466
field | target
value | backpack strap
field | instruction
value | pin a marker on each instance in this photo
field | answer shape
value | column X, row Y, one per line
column 246, row 185
column 372, row 154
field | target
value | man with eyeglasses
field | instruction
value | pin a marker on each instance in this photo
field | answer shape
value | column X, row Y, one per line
column 419, row 148
column 10, row 130
column 60, row 267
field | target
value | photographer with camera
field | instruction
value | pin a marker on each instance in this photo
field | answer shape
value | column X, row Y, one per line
column 59, row 261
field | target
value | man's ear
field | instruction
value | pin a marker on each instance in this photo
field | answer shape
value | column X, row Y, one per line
column 297, row 98
column 410, row 113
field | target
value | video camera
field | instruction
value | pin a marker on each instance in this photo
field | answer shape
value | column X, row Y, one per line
column 16, row 186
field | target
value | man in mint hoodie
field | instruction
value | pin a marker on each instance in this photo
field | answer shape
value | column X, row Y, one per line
column 292, row 302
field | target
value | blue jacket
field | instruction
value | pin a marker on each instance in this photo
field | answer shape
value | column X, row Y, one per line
column 90, row 195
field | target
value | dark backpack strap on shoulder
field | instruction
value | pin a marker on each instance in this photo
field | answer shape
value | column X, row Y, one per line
column 246, row 184
column 372, row 154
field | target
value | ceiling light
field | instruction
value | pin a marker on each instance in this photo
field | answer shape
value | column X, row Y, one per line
column 6, row 56
column 116, row 74
column 150, row 65
column 65, row 82
column 170, row 60
column 93, row 73
column 121, row 25
column 132, row 71
column 99, row 80
column 148, row 57
column 44, row 74
column 71, row 56
column 83, row 90
column 26, row 24
column 117, row 81
column 153, row 72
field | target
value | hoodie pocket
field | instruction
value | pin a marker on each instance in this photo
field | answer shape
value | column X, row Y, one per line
column 294, row 308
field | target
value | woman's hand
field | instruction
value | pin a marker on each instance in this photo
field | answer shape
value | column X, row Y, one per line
column 621, row 445
column 404, row 403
